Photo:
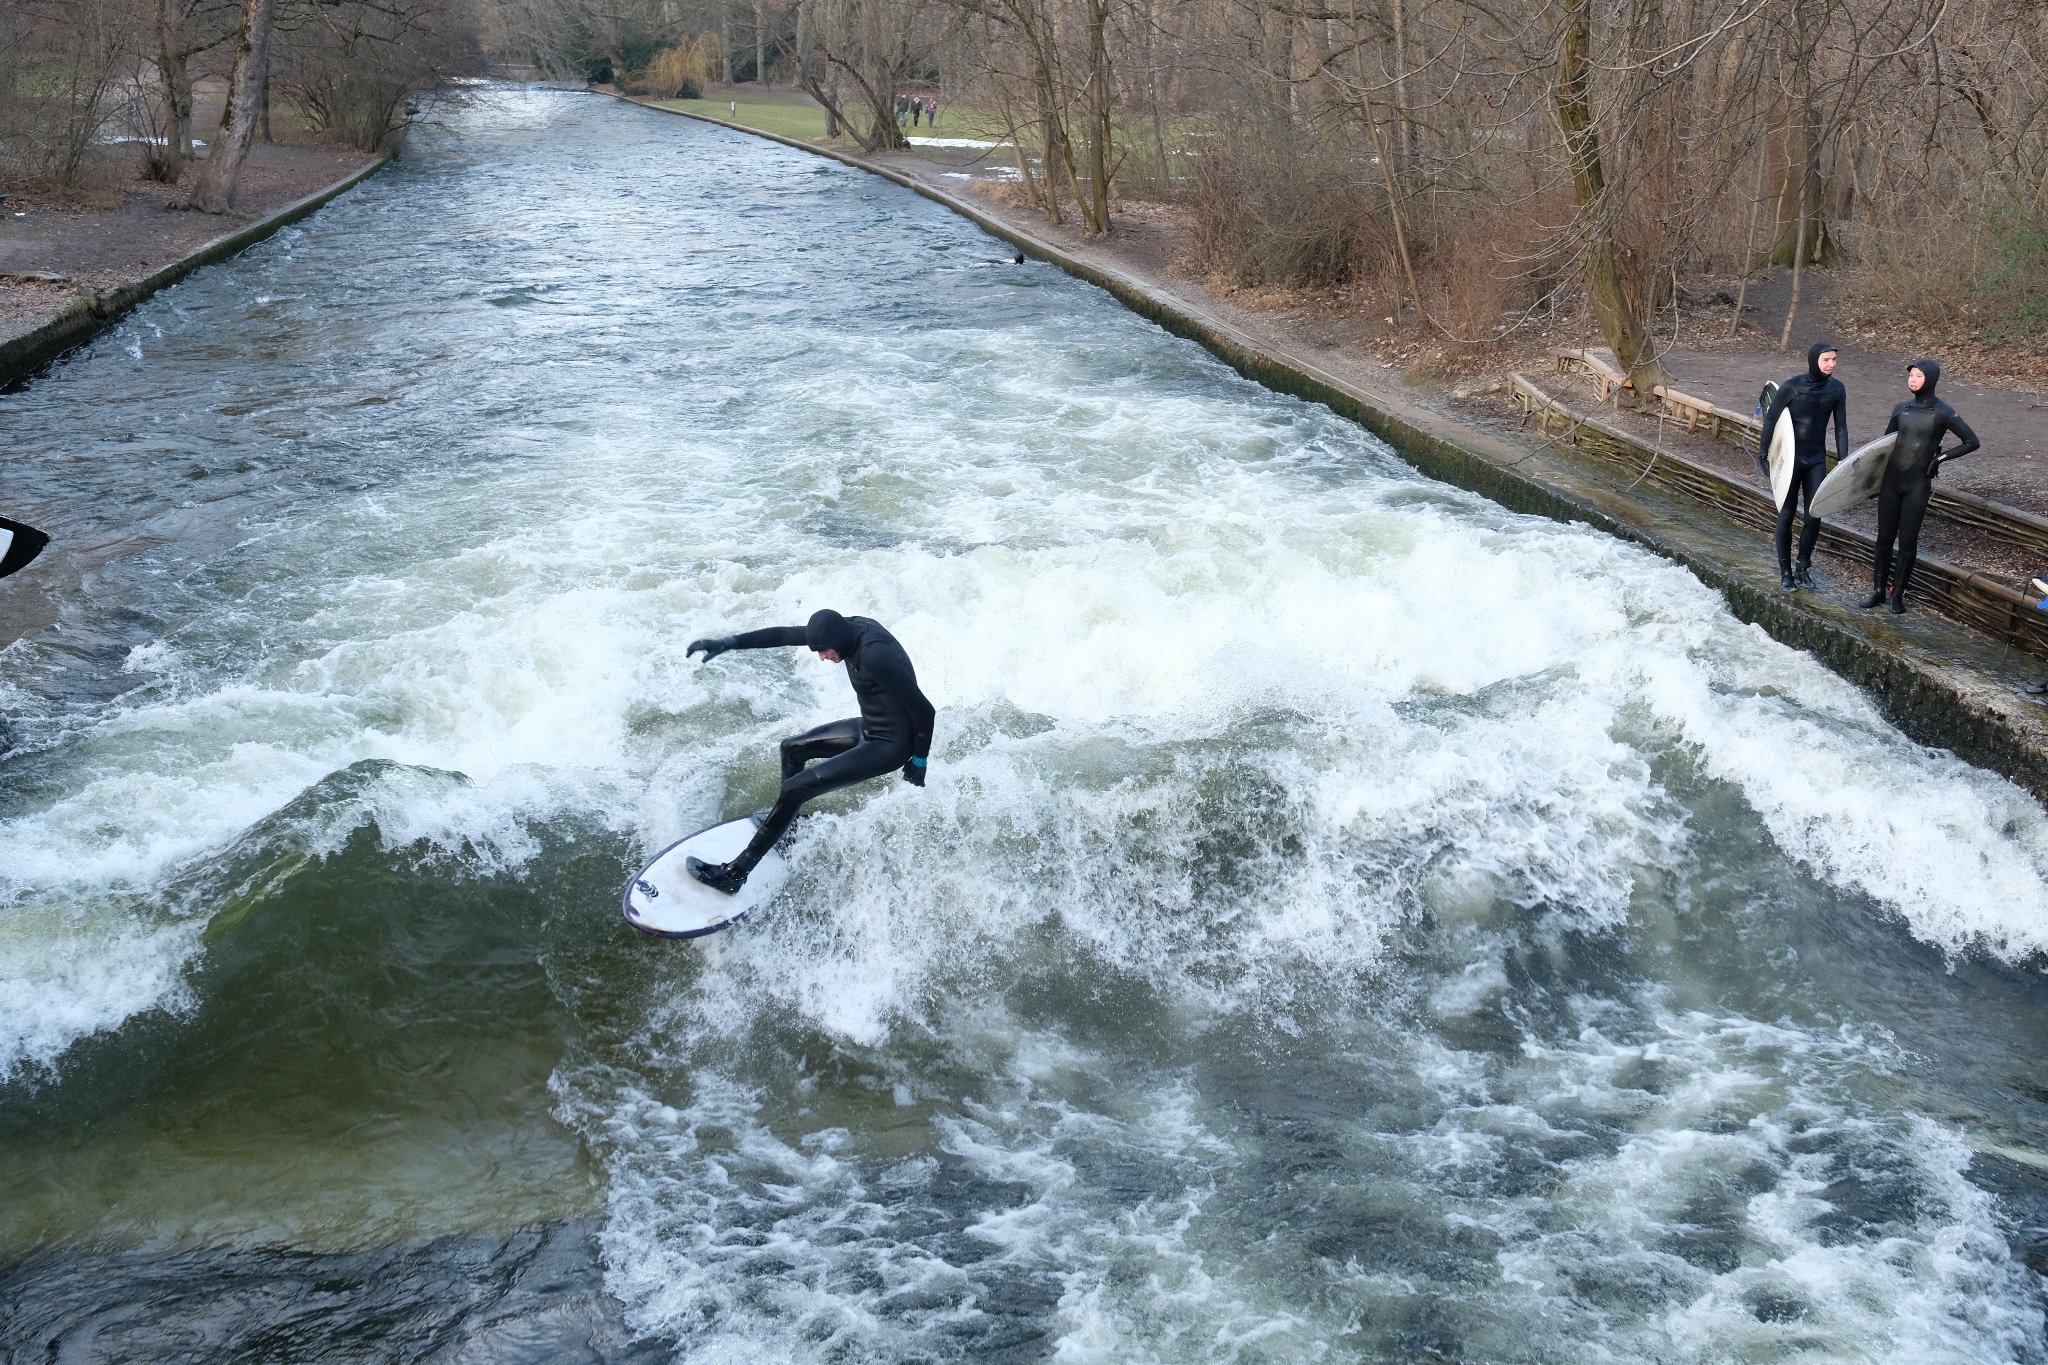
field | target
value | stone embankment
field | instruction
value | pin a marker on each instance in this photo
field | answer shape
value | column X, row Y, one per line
column 34, row 336
column 1940, row 681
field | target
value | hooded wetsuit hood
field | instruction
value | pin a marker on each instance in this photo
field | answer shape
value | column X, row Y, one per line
column 829, row 630
column 1813, row 355
column 1930, row 367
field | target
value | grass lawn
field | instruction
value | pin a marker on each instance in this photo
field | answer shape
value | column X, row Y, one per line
column 793, row 114
column 787, row 112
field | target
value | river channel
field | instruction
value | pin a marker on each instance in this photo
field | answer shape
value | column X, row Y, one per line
column 1347, row 921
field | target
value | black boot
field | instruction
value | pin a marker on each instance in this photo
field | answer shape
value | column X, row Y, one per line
column 726, row 877
column 1897, row 601
column 1876, row 599
column 2036, row 689
column 1802, row 573
column 1785, row 579
column 730, row 877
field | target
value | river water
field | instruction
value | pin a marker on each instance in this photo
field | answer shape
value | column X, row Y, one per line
column 1346, row 920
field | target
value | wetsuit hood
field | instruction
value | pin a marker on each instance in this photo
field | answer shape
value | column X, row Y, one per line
column 1813, row 355
column 829, row 630
column 1932, row 369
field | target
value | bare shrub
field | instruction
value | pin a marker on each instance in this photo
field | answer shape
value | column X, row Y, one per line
column 61, row 63
column 679, row 72
column 1270, row 210
column 358, row 69
column 2015, row 283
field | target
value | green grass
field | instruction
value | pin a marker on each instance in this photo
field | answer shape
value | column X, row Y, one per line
column 793, row 115
column 785, row 112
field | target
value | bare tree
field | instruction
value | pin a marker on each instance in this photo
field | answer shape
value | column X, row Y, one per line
column 215, row 192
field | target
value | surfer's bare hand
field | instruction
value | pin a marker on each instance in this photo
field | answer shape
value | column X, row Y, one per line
column 711, row 648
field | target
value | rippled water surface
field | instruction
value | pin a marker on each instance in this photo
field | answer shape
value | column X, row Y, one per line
column 1346, row 921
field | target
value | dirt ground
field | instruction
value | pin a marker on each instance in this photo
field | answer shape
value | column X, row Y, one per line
column 50, row 251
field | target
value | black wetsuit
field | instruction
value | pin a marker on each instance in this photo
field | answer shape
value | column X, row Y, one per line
column 1812, row 399
column 1921, row 422
column 893, row 730
column 24, row 543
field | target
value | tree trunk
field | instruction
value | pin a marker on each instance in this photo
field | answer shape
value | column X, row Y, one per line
column 1798, row 266
column 167, row 163
column 247, row 79
column 1098, row 114
column 1383, row 154
column 761, row 42
column 1401, row 88
column 725, row 38
column 1805, row 236
column 1756, row 204
column 1624, row 332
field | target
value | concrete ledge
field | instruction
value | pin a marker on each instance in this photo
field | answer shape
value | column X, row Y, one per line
column 1941, row 684
column 92, row 312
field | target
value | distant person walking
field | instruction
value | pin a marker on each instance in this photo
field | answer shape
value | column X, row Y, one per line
column 931, row 113
column 1812, row 399
column 902, row 110
column 916, row 109
column 1920, row 422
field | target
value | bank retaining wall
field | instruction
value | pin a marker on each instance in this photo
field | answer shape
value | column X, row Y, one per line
column 92, row 311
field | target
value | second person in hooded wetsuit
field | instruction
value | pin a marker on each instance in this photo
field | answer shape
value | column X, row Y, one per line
column 1812, row 399
column 893, row 730
column 1921, row 422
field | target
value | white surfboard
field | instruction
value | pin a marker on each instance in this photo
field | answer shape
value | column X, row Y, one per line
column 1856, row 479
column 1781, row 459
column 666, row 901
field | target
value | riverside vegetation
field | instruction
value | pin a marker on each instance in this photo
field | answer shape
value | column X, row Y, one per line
column 1468, row 168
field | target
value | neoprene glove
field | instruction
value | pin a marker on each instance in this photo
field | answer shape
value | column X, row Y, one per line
column 712, row 648
column 913, row 772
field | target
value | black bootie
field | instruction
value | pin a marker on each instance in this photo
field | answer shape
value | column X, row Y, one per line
column 1897, row 601
column 726, row 877
column 1785, row 579
column 1876, row 599
column 1803, row 574
column 730, row 877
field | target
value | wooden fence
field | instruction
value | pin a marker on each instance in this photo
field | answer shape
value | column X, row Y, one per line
column 1978, row 602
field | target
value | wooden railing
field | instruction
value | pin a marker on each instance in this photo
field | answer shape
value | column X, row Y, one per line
column 1981, row 603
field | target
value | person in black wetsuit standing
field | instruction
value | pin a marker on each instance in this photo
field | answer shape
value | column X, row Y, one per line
column 1812, row 398
column 1921, row 421
column 893, row 730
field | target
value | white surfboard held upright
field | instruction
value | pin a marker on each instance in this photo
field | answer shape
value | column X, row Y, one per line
column 1781, row 459
column 1855, row 479
column 666, row 901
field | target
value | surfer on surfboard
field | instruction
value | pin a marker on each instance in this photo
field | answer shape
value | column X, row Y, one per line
column 1920, row 422
column 1812, row 399
column 893, row 730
